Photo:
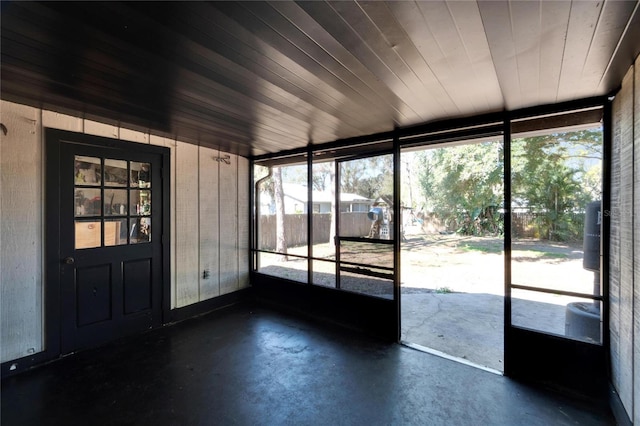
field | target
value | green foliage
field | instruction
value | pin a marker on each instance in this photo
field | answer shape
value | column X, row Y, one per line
column 370, row 177
column 553, row 177
column 463, row 186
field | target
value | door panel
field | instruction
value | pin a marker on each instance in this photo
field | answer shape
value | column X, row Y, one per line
column 137, row 285
column 93, row 295
column 110, row 255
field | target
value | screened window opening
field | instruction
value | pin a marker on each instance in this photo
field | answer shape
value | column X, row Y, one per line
column 282, row 204
column 556, row 196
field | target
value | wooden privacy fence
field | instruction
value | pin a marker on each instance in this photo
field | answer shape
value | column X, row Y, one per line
column 351, row 225
column 358, row 225
column 523, row 224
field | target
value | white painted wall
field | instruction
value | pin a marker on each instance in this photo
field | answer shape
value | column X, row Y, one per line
column 624, row 262
column 209, row 221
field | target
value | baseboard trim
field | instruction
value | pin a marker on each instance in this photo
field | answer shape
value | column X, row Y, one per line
column 206, row 306
column 619, row 412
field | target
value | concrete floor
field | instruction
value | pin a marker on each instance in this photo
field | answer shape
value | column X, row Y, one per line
column 252, row 365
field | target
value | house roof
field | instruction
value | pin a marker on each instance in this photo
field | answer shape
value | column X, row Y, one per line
column 261, row 77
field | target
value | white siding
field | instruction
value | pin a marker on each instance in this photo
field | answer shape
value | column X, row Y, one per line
column 229, row 225
column 209, row 225
column 21, row 287
column 243, row 222
column 187, row 245
column 624, row 262
column 204, row 230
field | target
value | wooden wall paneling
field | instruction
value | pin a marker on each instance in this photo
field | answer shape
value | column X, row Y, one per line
column 55, row 120
column 229, row 225
column 21, row 240
column 96, row 128
column 133, row 135
column 636, row 243
column 244, row 213
column 614, row 245
column 187, row 239
column 171, row 144
column 626, row 243
column 209, row 226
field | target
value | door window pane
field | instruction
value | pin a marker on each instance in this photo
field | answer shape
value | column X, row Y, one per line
column 87, row 202
column 140, row 175
column 88, row 234
column 115, row 202
column 115, row 232
column 140, row 230
column 115, row 172
column 140, row 202
column 87, row 170
column 105, row 188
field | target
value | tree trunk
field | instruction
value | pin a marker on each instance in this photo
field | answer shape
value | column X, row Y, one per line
column 281, row 237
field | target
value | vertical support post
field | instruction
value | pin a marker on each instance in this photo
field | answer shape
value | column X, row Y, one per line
column 336, row 240
column 397, row 228
column 309, row 214
column 507, row 239
column 253, row 217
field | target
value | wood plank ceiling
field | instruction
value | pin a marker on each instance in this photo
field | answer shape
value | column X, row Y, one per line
column 260, row 77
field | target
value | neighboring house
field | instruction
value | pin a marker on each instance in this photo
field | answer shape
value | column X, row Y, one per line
column 296, row 200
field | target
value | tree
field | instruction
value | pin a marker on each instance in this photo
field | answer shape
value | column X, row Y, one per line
column 555, row 176
column 281, row 237
column 369, row 177
column 463, row 185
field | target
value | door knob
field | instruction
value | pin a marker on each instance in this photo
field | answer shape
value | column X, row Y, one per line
column 69, row 260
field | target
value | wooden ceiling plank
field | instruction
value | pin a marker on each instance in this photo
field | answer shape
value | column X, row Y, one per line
column 582, row 23
column 611, row 26
column 231, row 70
column 496, row 19
column 467, row 20
column 403, row 47
column 299, row 45
column 355, row 71
column 625, row 52
column 398, row 75
column 555, row 23
column 445, row 52
column 525, row 24
column 342, row 31
column 277, row 50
